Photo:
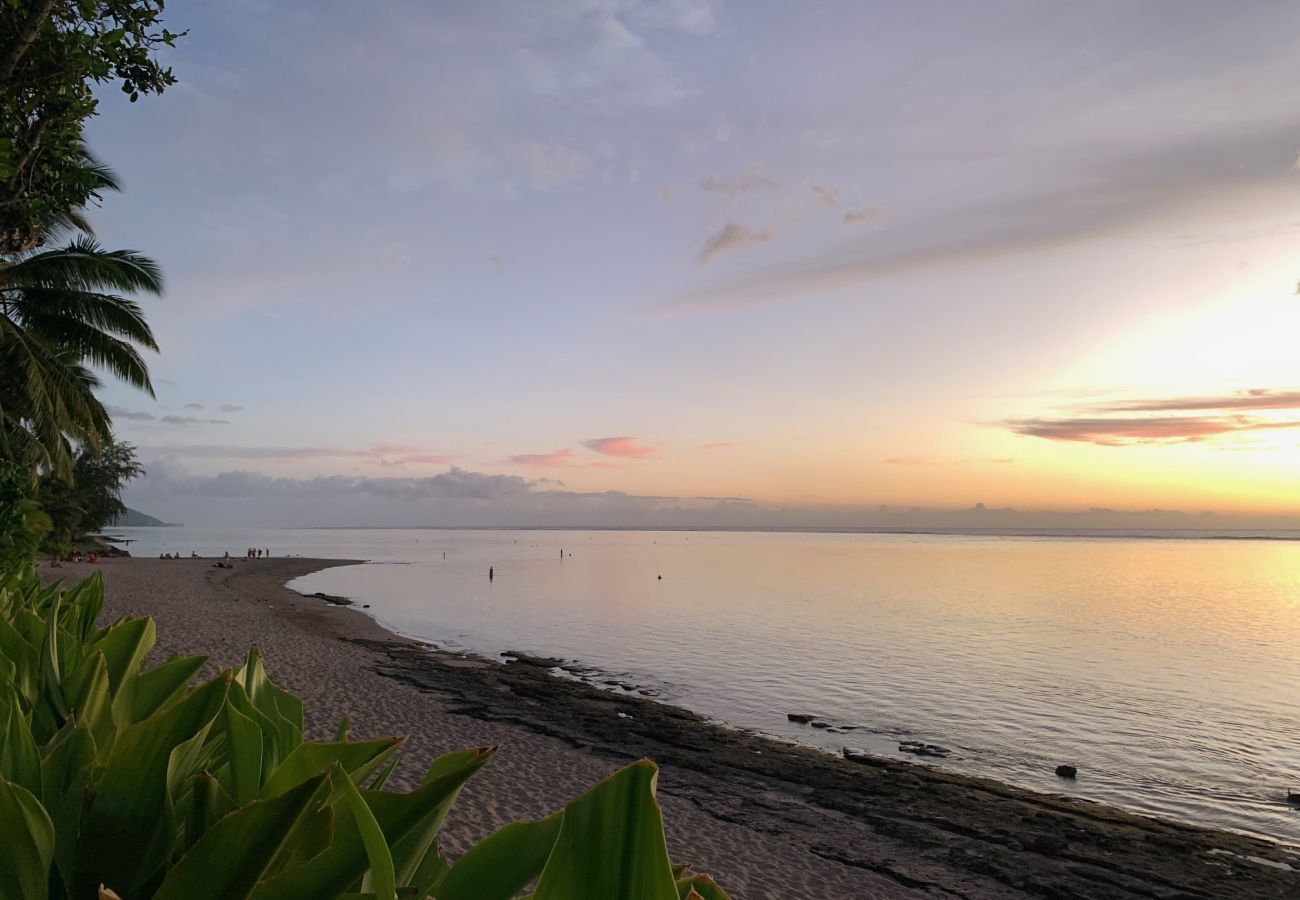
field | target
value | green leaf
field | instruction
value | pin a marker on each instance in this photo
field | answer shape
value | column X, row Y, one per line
column 130, row 826
column 231, row 857
column 611, row 843
column 381, row 876
column 244, row 750
column 703, row 887
column 358, row 759
column 161, row 685
column 411, row 851
column 28, row 846
column 345, row 861
column 503, row 863
column 20, row 762
column 90, row 699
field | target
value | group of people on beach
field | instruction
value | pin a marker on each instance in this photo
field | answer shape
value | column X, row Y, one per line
column 75, row 556
column 194, row 554
column 258, row 553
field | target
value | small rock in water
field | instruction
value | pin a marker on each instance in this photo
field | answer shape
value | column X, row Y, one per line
column 1067, row 771
column 1293, row 797
column 863, row 757
column 799, row 718
column 921, row 749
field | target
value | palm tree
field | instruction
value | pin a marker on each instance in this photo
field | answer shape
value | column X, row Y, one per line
column 63, row 314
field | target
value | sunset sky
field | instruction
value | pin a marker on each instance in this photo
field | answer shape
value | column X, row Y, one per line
column 488, row 262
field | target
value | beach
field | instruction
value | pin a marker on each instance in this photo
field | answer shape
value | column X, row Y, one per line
column 767, row 819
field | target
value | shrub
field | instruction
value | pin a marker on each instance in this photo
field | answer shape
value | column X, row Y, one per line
column 23, row 525
column 126, row 779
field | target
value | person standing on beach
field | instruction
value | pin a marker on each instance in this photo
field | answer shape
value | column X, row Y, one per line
column 491, row 573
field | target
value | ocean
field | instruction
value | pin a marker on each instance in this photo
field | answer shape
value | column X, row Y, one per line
column 1165, row 666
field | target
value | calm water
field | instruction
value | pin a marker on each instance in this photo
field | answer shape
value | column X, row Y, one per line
column 1168, row 671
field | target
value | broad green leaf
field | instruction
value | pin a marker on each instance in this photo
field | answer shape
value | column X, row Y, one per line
column 503, row 863
column 130, row 826
column 380, row 877
column 382, row 776
column 231, row 857
column 125, row 646
column 410, row 852
column 25, row 657
column 28, row 846
column 281, row 707
column 359, row 759
column 90, row 699
column 208, row 804
column 156, row 688
column 66, row 768
column 20, row 762
column 611, row 843
column 701, row 886
column 345, row 861
column 244, row 750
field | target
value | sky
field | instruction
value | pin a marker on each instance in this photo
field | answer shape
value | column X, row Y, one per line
column 713, row 262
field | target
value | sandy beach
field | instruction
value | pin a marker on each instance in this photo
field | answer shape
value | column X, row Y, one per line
column 766, row 819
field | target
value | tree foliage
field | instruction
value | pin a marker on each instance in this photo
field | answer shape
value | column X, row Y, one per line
column 63, row 311
column 23, row 524
column 53, row 54
column 91, row 497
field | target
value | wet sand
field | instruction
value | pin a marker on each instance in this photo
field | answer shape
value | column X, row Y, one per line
column 767, row 819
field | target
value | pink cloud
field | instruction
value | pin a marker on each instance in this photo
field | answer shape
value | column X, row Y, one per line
column 626, row 447
column 396, row 448
column 718, row 445
column 429, row 459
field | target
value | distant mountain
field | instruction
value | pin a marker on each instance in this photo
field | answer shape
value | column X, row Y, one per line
column 136, row 519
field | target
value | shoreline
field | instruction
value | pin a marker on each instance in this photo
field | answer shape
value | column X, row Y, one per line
column 767, row 818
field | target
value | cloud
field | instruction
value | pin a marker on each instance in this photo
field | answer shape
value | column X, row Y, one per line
column 1089, row 198
column 230, row 407
column 191, row 420
column 748, row 183
column 118, row 412
column 551, row 165
column 865, row 214
column 391, row 454
column 626, row 447
column 828, row 195
column 556, row 459
column 455, row 484
column 718, row 445
column 925, row 461
column 429, row 459
column 1113, row 423
column 1255, row 399
column 461, row 498
column 732, row 236
column 1119, row 431
column 696, row 17
column 193, row 406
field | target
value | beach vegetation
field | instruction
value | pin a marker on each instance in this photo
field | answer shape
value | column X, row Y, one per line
column 123, row 779
column 65, row 311
column 23, row 523
column 90, row 496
